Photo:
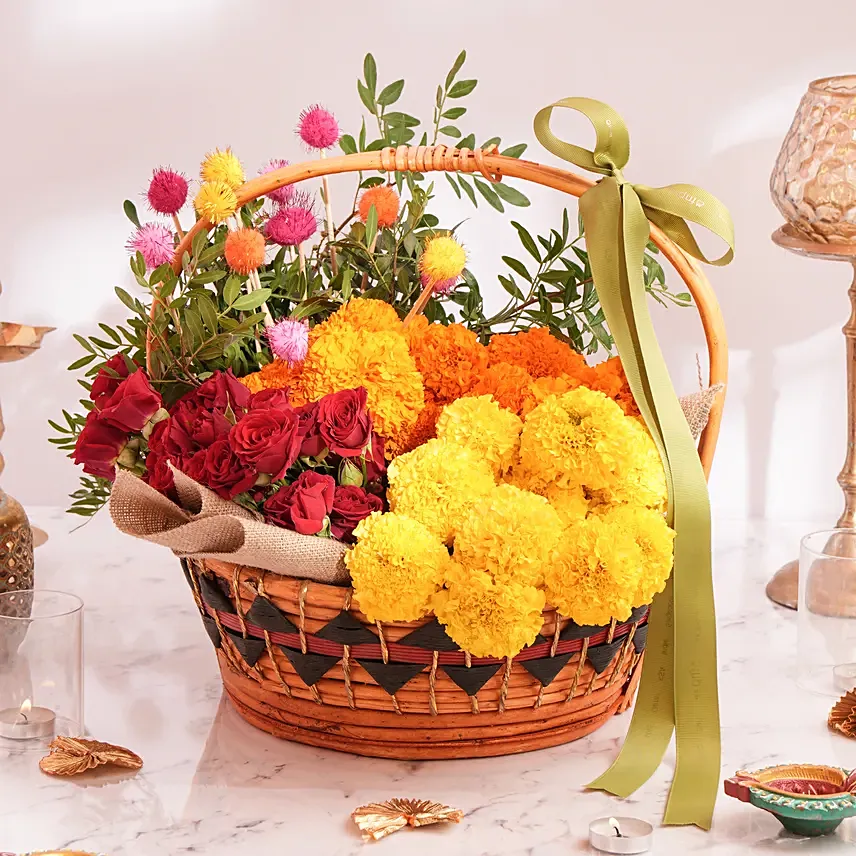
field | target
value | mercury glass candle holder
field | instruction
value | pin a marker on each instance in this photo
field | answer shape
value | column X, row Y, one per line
column 814, row 181
column 41, row 668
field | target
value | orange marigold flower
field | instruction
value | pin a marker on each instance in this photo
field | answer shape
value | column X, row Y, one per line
column 450, row 359
column 424, row 430
column 509, row 385
column 540, row 353
column 245, row 250
column 612, row 382
column 544, row 387
column 386, row 202
column 278, row 375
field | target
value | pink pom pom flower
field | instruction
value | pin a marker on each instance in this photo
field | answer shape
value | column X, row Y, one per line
column 289, row 340
column 318, row 127
column 293, row 223
column 442, row 286
column 155, row 242
column 282, row 195
column 167, row 191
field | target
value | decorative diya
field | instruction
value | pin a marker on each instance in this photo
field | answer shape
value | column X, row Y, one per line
column 807, row 799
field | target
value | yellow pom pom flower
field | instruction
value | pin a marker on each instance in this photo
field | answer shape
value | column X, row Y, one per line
column 215, row 201
column 581, row 437
column 482, row 426
column 512, row 535
column 396, row 566
column 438, row 484
column 654, row 538
column 222, row 166
column 443, row 258
column 596, row 575
column 486, row 618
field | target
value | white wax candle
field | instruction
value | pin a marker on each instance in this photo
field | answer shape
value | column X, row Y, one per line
column 27, row 722
column 621, row 835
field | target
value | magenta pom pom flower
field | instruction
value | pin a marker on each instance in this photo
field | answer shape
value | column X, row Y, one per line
column 289, row 340
column 282, row 195
column 155, row 242
column 293, row 223
column 167, row 191
column 318, row 127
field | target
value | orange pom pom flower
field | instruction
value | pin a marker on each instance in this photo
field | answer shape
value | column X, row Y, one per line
column 386, row 203
column 245, row 250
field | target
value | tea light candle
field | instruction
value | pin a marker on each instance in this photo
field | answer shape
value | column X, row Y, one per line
column 621, row 835
column 27, row 722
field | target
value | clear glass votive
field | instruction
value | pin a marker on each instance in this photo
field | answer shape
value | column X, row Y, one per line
column 41, row 668
column 826, row 618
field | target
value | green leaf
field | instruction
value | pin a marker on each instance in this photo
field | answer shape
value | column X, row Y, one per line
column 453, row 183
column 456, row 67
column 468, row 142
column 212, row 253
column 450, row 131
column 438, row 98
column 518, row 267
column 511, row 195
column 126, row 298
column 362, row 137
column 367, row 98
column 401, row 119
column 514, row 151
column 207, row 276
column 371, row 226
column 684, row 297
column 250, row 301
column 487, row 191
column 493, row 141
column 199, row 243
column 511, row 287
column 85, row 360
column 465, row 186
column 208, row 311
column 526, row 240
column 370, row 72
column 462, row 88
column 191, row 321
column 391, row 93
column 111, row 333
column 232, row 289
column 131, row 212
column 454, row 113
column 348, row 144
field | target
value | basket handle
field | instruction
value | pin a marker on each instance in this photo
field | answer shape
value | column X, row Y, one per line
column 494, row 167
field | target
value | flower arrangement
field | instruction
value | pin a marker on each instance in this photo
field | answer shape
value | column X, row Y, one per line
column 354, row 388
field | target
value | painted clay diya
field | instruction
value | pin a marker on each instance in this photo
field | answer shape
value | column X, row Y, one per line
column 807, row 799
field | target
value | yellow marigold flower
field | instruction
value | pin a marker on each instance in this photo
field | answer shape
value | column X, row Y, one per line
column 346, row 358
column 654, row 538
column 482, row 426
column 362, row 313
column 512, row 535
column 596, row 575
column 443, row 258
column 539, row 352
column 487, row 618
column 569, row 501
column 581, row 437
column 215, row 201
column 450, row 358
column 438, row 484
column 396, row 566
column 222, row 166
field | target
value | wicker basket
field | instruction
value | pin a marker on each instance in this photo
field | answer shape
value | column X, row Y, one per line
column 300, row 661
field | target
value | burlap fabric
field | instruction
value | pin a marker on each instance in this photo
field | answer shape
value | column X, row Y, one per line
column 204, row 526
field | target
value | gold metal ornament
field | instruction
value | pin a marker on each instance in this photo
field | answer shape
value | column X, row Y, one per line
column 70, row 756
column 377, row 820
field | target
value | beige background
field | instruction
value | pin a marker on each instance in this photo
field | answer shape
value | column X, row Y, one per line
column 95, row 94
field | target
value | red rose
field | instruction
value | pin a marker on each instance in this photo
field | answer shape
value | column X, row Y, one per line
column 159, row 475
column 109, row 377
column 221, row 391
column 225, row 473
column 194, row 465
column 268, row 440
column 375, row 460
column 312, row 443
column 268, row 399
column 344, row 422
column 98, row 446
column 133, row 403
column 351, row 504
column 303, row 506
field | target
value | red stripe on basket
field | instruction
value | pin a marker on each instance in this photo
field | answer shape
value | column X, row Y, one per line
column 399, row 653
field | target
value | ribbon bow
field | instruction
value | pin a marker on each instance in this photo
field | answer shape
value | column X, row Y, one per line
column 678, row 689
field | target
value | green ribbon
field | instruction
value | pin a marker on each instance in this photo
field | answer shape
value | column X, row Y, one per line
column 678, row 689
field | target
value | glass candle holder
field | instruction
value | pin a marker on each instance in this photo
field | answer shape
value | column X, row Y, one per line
column 41, row 668
column 826, row 619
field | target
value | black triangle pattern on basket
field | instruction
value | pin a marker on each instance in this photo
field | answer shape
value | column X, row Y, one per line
column 431, row 636
column 391, row 676
column 214, row 595
column 346, row 629
column 471, row 679
column 574, row 631
column 310, row 667
column 637, row 614
column 212, row 631
column 640, row 638
column 545, row 669
column 536, row 641
column 602, row 655
column 264, row 614
column 250, row 649
column 185, row 566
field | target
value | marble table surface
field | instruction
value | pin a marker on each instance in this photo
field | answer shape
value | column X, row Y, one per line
column 214, row 785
